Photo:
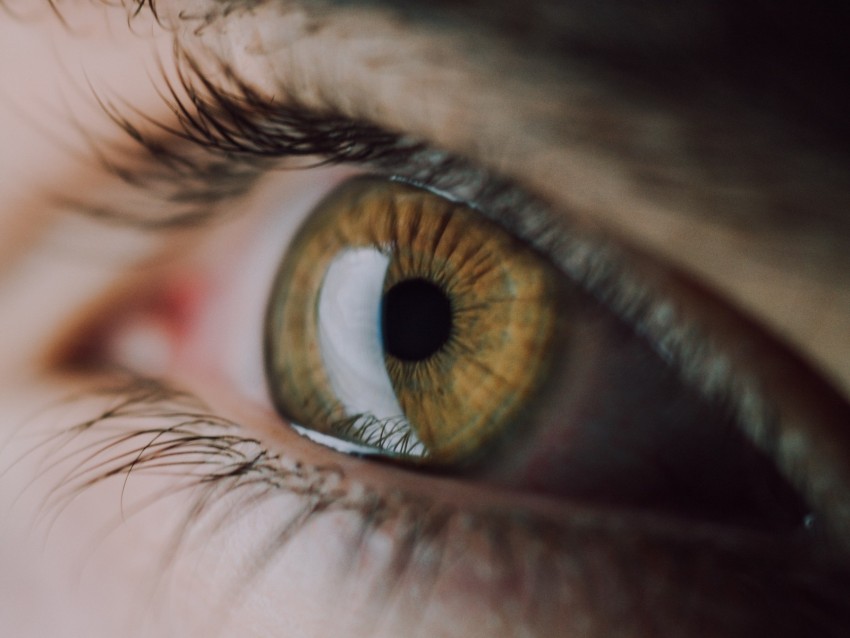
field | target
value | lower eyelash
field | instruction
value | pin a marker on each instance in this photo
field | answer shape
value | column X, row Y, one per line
column 595, row 562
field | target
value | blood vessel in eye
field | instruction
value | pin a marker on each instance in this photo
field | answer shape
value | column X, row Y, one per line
column 416, row 319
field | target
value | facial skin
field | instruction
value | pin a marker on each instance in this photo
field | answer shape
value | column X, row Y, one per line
column 727, row 198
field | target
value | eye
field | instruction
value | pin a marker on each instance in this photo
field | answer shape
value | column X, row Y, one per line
column 520, row 378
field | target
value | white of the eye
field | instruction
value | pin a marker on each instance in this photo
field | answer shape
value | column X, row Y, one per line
column 350, row 339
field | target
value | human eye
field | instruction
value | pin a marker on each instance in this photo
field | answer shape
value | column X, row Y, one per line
column 470, row 546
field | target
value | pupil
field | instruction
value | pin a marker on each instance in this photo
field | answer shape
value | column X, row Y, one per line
column 416, row 319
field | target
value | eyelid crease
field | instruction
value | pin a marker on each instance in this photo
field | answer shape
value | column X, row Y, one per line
column 150, row 429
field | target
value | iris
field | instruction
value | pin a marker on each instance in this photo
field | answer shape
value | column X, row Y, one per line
column 407, row 322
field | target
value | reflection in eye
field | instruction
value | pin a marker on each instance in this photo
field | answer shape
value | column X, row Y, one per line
column 412, row 328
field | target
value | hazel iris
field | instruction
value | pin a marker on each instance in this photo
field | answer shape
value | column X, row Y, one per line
column 410, row 324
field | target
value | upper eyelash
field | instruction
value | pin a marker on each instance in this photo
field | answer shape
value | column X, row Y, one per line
column 222, row 141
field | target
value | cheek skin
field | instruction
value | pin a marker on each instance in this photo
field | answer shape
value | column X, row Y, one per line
column 67, row 573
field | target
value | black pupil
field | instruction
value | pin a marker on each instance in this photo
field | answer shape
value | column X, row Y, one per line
column 416, row 319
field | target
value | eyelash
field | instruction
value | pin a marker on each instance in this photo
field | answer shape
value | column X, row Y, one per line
column 225, row 139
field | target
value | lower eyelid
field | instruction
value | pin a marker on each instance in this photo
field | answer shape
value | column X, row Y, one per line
column 376, row 551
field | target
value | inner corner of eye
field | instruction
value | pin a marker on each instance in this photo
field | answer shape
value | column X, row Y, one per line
column 137, row 327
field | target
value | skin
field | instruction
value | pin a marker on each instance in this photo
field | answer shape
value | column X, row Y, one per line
column 775, row 277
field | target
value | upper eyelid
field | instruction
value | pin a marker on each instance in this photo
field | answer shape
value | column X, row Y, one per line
column 763, row 231
column 646, row 139
column 216, row 85
column 656, row 171
column 664, row 158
